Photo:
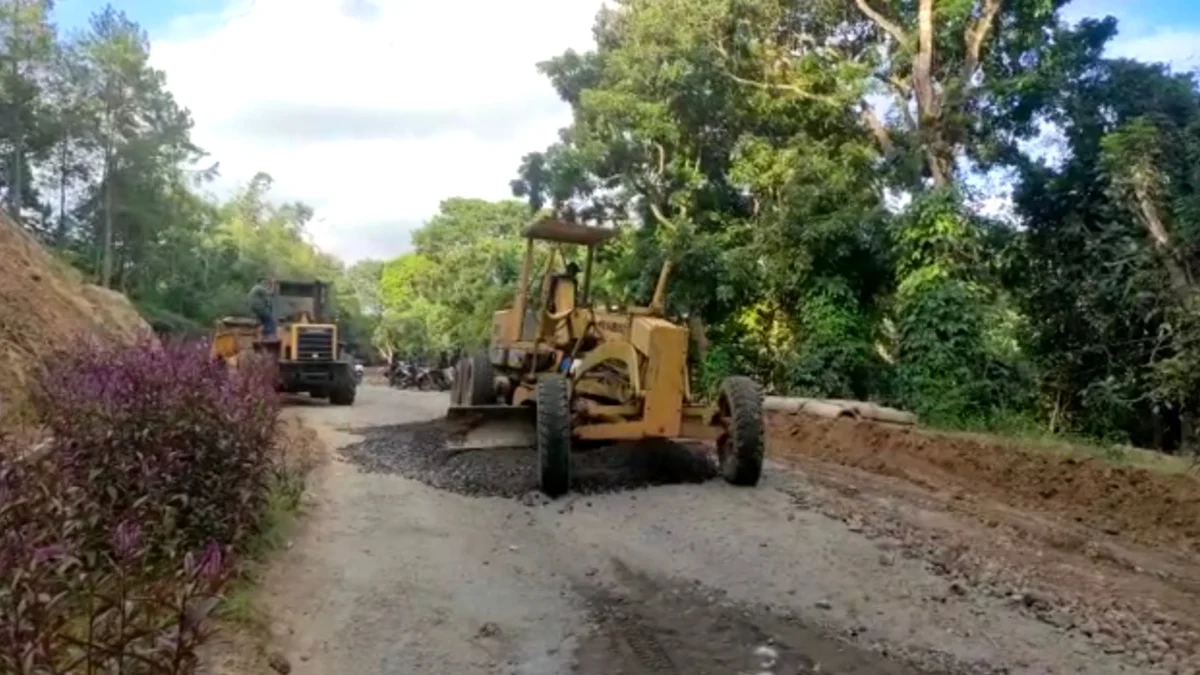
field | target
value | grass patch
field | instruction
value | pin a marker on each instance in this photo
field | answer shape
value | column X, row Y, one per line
column 1023, row 433
column 278, row 523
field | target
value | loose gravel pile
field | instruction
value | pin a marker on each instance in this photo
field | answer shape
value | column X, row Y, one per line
column 419, row 451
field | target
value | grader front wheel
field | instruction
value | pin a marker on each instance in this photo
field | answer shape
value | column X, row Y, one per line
column 554, row 435
column 741, row 446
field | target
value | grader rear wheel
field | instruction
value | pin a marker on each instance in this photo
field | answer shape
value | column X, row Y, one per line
column 741, row 447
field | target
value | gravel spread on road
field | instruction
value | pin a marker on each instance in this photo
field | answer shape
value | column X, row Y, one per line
column 419, row 451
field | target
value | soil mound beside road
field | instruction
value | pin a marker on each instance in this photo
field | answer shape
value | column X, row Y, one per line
column 46, row 308
column 1138, row 504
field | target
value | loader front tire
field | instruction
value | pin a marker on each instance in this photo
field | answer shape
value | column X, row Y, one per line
column 342, row 393
column 554, row 435
column 741, row 446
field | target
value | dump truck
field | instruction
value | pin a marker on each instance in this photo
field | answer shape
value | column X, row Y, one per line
column 559, row 369
column 305, row 346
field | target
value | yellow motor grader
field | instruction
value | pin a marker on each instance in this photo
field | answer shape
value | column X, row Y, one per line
column 568, row 371
column 305, row 345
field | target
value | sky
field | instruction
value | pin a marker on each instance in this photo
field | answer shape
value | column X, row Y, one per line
column 373, row 111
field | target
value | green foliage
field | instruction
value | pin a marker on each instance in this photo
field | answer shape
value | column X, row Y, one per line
column 98, row 162
column 757, row 196
column 743, row 143
column 464, row 267
column 118, row 536
column 956, row 362
column 1104, row 276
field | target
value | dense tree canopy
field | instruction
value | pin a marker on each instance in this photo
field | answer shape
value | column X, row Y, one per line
column 97, row 161
column 805, row 167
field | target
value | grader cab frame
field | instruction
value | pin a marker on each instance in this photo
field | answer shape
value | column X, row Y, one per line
column 594, row 374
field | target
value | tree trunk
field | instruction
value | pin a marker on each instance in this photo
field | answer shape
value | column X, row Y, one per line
column 14, row 168
column 1178, row 275
column 1056, row 412
column 16, row 180
column 928, row 125
column 1187, row 432
column 60, row 233
column 107, row 262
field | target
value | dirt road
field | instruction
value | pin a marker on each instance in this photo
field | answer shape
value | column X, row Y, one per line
column 393, row 575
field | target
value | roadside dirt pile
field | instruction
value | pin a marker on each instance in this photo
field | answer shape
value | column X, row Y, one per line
column 45, row 308
column 1132, row 503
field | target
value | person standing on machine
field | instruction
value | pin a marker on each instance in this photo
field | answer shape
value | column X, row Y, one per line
column 262, row 306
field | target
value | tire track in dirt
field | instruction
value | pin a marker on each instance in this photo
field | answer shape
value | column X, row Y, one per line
column 648, row 626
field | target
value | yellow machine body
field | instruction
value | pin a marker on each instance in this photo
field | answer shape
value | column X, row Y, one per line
column 306, row 349
column 627, row 369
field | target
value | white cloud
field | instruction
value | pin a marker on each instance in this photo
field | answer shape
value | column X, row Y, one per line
column 1138, row 36
column 1179, row 48
column 373, row 111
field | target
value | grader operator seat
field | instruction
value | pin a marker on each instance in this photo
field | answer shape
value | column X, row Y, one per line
column 560, row 304
column 564, row 290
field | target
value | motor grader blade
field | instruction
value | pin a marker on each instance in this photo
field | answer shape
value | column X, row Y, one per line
column 481, row 427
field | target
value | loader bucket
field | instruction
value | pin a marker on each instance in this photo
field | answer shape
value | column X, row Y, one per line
column 480, row 427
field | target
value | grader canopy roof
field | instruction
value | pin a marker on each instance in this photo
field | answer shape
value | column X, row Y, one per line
column 569, row 233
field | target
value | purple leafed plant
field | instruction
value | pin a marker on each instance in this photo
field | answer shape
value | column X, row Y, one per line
column 116, row 537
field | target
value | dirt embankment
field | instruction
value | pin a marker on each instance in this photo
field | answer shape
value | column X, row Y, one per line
column 45, row 308
column 1095, row 548
column 1137, row 504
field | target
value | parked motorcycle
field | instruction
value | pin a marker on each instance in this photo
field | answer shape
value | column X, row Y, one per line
column 405, row 375
column 424, row 379
column 401, row 376
column 440, row 378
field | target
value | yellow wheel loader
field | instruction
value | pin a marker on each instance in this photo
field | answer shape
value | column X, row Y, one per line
column 569, row 371
column 305, row 345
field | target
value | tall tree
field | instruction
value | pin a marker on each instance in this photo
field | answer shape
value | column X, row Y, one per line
column 763, row 201
column 70, row 113
column 141, row 135
column 27, row 48
column 948, row 66
column 1110, row 253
